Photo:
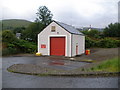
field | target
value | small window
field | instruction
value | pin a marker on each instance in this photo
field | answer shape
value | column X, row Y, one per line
column 53, row 29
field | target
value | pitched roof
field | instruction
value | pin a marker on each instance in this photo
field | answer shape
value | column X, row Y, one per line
column 69, row 28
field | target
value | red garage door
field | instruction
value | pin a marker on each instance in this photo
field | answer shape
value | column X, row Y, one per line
column 57, row 46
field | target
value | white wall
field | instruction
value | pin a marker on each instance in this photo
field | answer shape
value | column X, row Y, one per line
column 44, row 38
column 80, row 41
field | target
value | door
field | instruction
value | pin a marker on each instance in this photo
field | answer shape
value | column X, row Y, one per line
column 57, row 46
column 76, row 49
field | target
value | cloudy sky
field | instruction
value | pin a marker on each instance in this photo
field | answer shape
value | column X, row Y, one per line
column 79, row 13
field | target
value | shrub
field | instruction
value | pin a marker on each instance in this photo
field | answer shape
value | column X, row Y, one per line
column 9, row 51
column 14, row 45
column 92, row 33
column 5, row 51
column 102, row 43
column 112, row 30
column 11, row 45
column 108, row 43
column 8, row 36
column 25, row 46
column 20, row 46
column 89, row 42
column 118, row 43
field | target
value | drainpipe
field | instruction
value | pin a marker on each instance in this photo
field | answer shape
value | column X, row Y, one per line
column 71, row 45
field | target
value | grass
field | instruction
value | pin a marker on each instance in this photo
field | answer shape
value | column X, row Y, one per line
column 108, row 65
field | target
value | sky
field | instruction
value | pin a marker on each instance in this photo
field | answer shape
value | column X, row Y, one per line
column 78, row 13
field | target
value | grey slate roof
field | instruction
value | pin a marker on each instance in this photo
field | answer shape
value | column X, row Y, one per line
column 69, row 28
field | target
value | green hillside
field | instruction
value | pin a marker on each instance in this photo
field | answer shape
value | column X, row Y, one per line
column 14, row 23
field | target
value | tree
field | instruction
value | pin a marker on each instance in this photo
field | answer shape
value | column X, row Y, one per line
column 113, row 30
column 32, row 31
column 44, row 15
column 44, row 18
column 18, row 29
column 8, row 36
column 92, row 33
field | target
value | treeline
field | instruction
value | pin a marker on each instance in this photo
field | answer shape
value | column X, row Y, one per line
column 108, row 38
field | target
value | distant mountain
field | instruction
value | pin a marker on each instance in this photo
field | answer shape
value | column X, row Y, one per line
column 14, row 23
column 87, row 28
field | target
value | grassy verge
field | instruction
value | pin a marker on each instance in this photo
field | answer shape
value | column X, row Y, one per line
column 111, row 65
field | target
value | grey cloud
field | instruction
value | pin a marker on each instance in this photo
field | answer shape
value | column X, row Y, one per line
column 100, row 19
column 69, row 15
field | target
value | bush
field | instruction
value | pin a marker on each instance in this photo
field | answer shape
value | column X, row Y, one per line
column 112, row 30
column 92, row 33
column 20, row 46
column 8, row 36
column 25, row 46
column 101, row 43
column 108, row 43
column 89, row 42
column 9, row 51
column 118, row 43
column 14, row 45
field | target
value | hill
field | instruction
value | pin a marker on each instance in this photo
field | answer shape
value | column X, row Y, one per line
column 14, row 23
column 87, row 28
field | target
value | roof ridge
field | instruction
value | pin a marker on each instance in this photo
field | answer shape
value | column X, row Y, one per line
column 71, row 29
column 66, row 24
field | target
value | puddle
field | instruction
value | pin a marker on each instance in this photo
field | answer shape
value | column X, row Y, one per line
column 56, row 63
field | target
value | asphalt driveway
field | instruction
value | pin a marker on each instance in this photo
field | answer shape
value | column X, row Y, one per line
column 14, row 80
column 49, row 62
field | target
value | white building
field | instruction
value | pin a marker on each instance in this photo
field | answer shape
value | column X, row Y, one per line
column 18, row 35
column 61, row 40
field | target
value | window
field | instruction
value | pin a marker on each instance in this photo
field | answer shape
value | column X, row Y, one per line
column 53, row 29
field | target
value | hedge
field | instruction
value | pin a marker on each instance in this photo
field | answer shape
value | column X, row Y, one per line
column 9, row 51
column 101, row 43
column 20, row 46
column 25, row 46
column 108, row 43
